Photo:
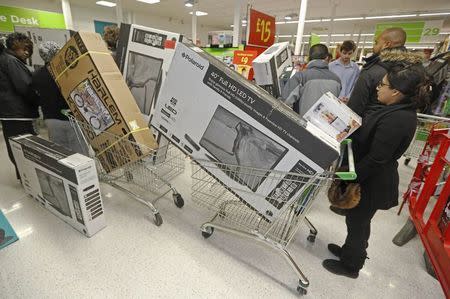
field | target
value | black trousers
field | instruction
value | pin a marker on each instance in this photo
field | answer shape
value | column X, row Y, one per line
column 358, row 222
column 13, row 128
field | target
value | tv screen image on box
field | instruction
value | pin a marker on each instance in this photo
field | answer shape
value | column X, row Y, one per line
column 53, row 192
column 143, row 77
column 231, row 140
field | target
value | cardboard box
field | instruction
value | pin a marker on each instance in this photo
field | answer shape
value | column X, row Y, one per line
column 144, row 55
column 39, row 36
column 64, row 182
column 269, row 66
column 212, row 113
column 97, row 95
column 334, row 117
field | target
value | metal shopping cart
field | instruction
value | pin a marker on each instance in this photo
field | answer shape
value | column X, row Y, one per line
column 425, row 123
column 149, row 175
column 234, row 216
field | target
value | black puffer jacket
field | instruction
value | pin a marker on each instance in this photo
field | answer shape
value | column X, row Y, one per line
column 364, row 93
column 17, row 100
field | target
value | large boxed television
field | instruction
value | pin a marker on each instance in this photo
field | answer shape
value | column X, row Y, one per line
column 270, row 65
column 64, row 182
column 98, row 96
column 144, row 55
column 212, row 113
column 39, row 36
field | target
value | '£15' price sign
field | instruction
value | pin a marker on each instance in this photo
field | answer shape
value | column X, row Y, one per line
column 261, row 29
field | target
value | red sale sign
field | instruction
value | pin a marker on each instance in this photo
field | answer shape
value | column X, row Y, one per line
column 261, row 30
column 244, row 57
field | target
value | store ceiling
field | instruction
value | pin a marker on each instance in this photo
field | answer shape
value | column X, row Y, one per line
column 220, row 13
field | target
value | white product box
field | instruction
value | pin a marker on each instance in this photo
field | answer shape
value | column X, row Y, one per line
column 213, row 113
column 39, row 36
column 270, row 65
column 333, row 116
column 144, row 55
column 64, row 182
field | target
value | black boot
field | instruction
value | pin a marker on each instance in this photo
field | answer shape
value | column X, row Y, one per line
column 338, row 268
column 336, row 250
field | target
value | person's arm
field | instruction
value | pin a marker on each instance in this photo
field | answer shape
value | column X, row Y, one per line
column 20, row 77
column 359, row 98
column 390, row 133
column 290, row 93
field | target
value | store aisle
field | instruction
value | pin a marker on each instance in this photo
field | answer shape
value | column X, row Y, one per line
column 133, row 258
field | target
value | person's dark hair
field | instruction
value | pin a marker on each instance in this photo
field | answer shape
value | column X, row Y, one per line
column 348, row 45
column 318, row 51
column 17, row 39
column 111, row 36
column 412, row 81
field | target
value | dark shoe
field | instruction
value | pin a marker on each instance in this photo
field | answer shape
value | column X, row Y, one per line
column 335, row 249
column 338, row 211
column 336, row 267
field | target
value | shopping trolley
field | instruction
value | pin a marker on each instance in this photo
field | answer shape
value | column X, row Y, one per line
column 150, row 174
column 234, row 216
column 425, row 123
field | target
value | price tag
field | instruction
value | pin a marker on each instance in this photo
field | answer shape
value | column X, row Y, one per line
column 261, row 29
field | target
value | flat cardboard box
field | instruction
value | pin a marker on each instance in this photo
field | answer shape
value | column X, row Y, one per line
column 334, row 117
column 144, row 55
column 97, row 95
column 64, row 182
column 270, row 65
column 39, row 36
column 214, row 114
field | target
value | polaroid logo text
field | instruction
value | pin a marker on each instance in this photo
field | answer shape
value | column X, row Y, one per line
column 191, row 60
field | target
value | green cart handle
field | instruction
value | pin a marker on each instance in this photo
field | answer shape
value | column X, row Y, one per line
column 349, row 175
column 65, row 112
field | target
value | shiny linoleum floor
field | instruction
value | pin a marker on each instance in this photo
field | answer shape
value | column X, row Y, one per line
column 132, row 258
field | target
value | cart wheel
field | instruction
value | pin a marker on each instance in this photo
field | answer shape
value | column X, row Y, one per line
column 128, row 176
column 301, row 290
column 178, row 200
column 158, row 219
column 407, row 160
column 311, row 238
column 208, row 233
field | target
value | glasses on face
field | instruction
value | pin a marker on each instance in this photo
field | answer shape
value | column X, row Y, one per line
column 381, row 84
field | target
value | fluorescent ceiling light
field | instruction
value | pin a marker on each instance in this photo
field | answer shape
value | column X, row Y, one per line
column 291, row 22
column 280, row 22
column 367, row 34
column 312, row 21
column 326, row 20
column 444, row 33
column 288, row 18
column 285, row 35
column 199, row 13
column 348, row 19
column 106, row 3
column 150, row 1
column 339, row 34
column 391, row 17
column 244, row 21
column 434, row 14
column 188, row 4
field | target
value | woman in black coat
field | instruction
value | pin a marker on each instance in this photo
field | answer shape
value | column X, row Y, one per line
column 384, row 136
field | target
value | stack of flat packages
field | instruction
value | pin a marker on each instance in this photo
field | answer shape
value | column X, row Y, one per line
column 98, row 96
column 64, row 182
column 214, row 114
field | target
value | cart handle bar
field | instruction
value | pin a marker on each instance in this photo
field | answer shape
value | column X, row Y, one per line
column 349, row 175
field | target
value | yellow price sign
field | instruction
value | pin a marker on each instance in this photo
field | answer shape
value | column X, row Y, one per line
column 263, row 27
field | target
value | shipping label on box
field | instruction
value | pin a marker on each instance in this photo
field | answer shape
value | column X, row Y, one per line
column 64, row 182
column 98, row 96
column 270, row 65
column 214, row 114
column 334, row 117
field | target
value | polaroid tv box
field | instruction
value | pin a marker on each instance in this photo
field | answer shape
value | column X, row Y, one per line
column 97, row 95
column 212, row 113
column 333, row 116
column 270, row 65
column 144, row 55
column 42, row 35
column 64, row 182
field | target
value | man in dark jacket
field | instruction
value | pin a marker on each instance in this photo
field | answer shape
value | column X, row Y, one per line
column 364, row 93
column 304, row 88
column 16, row 97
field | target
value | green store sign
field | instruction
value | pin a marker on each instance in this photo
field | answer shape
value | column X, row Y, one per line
column 419, row 31
column 16, row 16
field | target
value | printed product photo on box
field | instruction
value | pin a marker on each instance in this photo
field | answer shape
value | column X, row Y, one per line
column 144, row 55
column 64, row 182
column 333, row 116
column 214, row 114
column 270, row 65
column 39, row 36
column 98, row 96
